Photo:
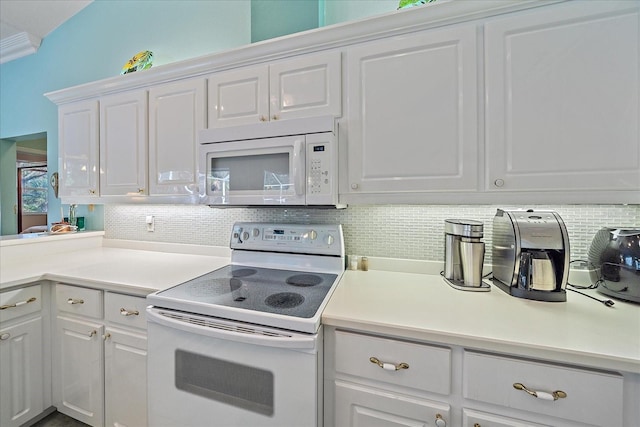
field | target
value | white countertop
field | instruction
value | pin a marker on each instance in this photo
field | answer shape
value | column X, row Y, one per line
column 424, row 307
column 411, row 305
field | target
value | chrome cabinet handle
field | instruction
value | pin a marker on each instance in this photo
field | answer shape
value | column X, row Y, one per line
column 389, row 366
column 125, row 312
column 558, row 394
column 18, row 304
column 75, row 301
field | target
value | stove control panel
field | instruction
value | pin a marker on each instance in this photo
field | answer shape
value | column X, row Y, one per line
column 297, row 238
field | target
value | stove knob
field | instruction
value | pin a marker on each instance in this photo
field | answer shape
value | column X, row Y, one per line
column 329, row 239
column 255, row 232
column 313, row 234
column 245, row 235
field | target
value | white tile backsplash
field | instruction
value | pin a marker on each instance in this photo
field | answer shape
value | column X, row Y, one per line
column 393, row 231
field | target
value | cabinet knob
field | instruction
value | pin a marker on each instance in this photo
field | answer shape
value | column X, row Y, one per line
column 106, row 336
column 125, row 312
column 140, row 190
column 498, row 182
column 5, row 336
column 92, row 333
column 354, row 186
column 275, row 117
column 263, row 119
column 440, row 422
column 92, row 191
column 75, row 301
column 558, row 394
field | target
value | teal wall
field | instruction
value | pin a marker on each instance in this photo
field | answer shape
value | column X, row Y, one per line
column 275, row 18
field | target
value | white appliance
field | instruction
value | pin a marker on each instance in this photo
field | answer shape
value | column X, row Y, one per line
column 278, row 163
column 242, row 345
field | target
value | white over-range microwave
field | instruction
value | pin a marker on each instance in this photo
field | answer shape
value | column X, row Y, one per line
column 280, row 163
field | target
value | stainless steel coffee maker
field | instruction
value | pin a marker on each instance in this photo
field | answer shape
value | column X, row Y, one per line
column 464, row 254
column 530, row 254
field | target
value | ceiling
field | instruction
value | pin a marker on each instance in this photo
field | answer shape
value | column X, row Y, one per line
column 25, row 23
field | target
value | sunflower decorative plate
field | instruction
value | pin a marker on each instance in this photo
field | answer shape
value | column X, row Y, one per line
column 140, row 61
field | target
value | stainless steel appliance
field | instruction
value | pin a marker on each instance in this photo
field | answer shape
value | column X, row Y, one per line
column 242, row 345
column 615, row 253
column 464, row 254
column 278, row 163
column 531, row 254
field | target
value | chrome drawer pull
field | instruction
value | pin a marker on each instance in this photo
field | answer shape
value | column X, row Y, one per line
column 558, row 394
column 389, row 366
column 126, row 312
column 75, row 301
column 18, row 304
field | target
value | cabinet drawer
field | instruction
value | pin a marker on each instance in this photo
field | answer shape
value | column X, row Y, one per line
column 592, row 397
column 80, row 301
column 125, row 310
column 19, row 302
column 429, row 368
column 482, row 419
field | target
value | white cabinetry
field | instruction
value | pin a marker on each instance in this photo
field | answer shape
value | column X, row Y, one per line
column 413, row 119
column 562, row 97
column 304, row 86
column 23, row 370
column 78, row 145
column 100, row 360
column 378, row 381
column 177, row 111
column 123, row 144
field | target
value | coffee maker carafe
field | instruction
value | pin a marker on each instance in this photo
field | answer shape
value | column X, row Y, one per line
column 531, row 254
column 464, row 254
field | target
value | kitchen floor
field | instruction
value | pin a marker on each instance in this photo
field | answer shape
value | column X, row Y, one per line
column 59, row 420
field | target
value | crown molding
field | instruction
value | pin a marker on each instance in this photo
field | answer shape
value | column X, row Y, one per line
column 18, row 45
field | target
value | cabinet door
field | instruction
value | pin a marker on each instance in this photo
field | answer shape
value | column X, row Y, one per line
column 177, row 112
column 562, row 98
column 309, row 85
column 357, row 405
column 78, row 370
column 125, row 356
column 22, row 372
column 471, row 418
column 123, row 144
column 78, row 149
column 413, row 114
column 239, row 97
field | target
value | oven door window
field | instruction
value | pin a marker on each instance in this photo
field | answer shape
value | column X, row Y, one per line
column 239, row 385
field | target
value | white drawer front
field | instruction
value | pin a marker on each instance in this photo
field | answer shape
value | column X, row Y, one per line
column 80, row 301
column 429, row 368
column 482, row 419
column 125, row 310
column 592, row 397
column 19, row 302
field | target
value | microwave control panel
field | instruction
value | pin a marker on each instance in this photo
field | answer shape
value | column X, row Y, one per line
column 321, row 164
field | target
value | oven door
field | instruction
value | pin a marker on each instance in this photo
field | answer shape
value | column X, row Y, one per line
column 208, row 371
column 269, row 171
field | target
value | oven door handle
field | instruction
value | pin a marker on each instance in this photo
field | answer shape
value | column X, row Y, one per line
column 230, row 330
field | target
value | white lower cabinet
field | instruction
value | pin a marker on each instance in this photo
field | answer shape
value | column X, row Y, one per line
column 376, row 381
column 100, row 353
column 471, row 418
column 22, row 365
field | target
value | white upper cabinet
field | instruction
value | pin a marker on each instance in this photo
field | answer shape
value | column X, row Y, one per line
column 78, row 146
column 177, row 111
column 562, row 100
column 123, row 144
column 412, row 116
column 300, row 87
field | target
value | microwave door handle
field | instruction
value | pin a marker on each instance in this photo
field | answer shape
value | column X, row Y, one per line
column 298, row 167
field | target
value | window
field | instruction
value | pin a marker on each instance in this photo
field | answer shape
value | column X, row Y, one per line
column 32, row 192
